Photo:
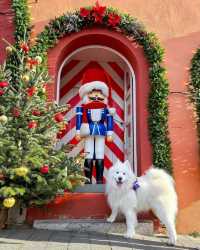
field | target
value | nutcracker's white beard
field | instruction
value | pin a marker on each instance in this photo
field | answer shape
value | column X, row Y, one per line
column 86, row 100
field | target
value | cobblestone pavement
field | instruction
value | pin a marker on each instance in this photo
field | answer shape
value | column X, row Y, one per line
column 33, row 239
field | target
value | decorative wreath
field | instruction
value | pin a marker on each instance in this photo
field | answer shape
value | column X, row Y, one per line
column 111, row 19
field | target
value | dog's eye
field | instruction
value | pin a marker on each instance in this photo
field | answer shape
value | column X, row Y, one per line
column 124, row 173
column 117, row 172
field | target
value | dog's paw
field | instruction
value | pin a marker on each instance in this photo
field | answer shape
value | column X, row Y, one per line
column 171, row 243
column 110, row 219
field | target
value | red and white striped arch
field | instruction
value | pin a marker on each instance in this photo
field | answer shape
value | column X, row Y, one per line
column 69, row 85
column 69, row 78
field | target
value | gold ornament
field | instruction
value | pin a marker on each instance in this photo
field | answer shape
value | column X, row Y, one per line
column 3, row 119
column 9, row 49
column 43, row 90
column 38, row 59
column 9, row 202
column 62, row 125
column 21, row 171
column 25, row 78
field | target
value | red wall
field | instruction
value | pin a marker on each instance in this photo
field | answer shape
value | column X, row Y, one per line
column 6, row 26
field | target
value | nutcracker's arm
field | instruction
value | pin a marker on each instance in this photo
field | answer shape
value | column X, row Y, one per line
column 79, row 117
column 110, row 114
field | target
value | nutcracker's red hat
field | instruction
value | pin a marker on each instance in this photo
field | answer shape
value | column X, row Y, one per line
column 95, row 78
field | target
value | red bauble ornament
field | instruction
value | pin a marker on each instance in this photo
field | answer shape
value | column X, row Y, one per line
column 44, row 169
column 31, row 91
column 1, row 92
column 59, row 117
column 24, row 47
column 36, row 112
column 32, row 124
column 84, row 12
column 16, row 112
column 4, row 84
column 113, row 19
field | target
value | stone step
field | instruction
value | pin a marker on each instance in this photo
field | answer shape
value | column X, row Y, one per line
column 91, row 225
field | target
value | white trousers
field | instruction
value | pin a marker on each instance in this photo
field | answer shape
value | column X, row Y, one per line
column 94, row 147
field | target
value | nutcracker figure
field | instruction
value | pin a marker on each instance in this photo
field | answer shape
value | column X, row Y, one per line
column 94, row 119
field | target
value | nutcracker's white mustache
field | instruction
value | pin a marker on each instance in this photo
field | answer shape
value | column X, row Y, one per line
column 86, row 99
column 96, row 98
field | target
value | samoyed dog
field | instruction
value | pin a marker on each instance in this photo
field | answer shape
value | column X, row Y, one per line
column 128, row 194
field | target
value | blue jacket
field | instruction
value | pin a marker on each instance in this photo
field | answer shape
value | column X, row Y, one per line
column 96, row 128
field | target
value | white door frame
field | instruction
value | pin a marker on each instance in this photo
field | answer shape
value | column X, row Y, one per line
column 133, row 89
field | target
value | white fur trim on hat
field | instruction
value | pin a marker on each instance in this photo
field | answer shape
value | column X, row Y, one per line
column 98, row 85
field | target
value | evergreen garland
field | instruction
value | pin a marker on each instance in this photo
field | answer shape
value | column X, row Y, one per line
column 111, row 19
column 21, row 20
column 194, row 86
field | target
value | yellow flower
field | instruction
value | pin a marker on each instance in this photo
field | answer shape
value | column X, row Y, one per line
column 21, row 171
column 9, row 202
column 25, row 78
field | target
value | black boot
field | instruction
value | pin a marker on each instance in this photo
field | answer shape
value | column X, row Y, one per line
column 99, row 164
column 88, row 166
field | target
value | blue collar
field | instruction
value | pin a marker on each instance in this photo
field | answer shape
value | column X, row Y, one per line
column 136, row 185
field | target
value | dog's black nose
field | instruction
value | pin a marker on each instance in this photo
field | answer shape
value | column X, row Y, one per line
column 119, row 178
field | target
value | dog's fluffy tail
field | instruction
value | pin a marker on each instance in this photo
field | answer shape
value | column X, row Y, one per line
column 160, row 178
column 157, row 173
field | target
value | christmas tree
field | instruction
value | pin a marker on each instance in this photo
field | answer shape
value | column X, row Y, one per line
column 32, row 171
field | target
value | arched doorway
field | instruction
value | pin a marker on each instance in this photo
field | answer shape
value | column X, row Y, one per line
column 132, row 56
column 123, row 90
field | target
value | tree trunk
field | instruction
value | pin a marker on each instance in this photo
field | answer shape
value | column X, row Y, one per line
column 3, row 218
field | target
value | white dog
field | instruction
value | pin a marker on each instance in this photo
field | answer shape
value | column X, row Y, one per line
column 129, row 195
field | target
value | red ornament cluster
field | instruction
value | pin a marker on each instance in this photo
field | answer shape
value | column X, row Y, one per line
column 59, row 117
column 3, row 85
column 31, row 91
column 24, row 47
column 32, row 124
column 98, row 12
column 32, row 62
column 44, row 169
column 36, row 112
column 62, row 132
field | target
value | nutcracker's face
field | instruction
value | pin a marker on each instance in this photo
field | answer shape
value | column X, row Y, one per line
column 95, row 96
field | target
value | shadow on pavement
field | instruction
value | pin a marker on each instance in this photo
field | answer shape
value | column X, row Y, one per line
column 85, row 238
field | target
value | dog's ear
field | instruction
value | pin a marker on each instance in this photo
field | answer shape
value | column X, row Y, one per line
column 128, row 165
